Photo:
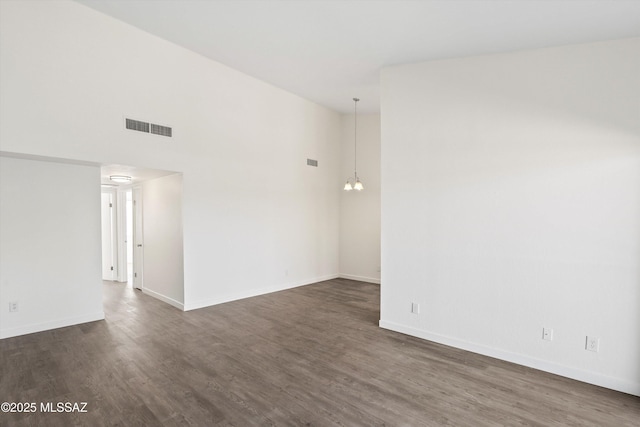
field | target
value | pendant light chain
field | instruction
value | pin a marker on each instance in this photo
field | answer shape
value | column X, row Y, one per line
column 357, row 185
column 355, row 137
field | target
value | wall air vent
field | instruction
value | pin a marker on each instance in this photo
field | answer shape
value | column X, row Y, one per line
column 311, row 162
column 137, row 125
column 148, row 127
column 161, row 130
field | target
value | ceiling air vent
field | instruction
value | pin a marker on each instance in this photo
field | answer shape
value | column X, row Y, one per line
column 148, row 127
column 311, row 162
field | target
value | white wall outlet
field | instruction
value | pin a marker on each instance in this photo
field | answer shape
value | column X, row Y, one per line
column 547, row 334
column 415, row 308
column 593, row 344
column 13, row 306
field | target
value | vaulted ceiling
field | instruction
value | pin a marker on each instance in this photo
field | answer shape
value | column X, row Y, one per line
column 330, row 51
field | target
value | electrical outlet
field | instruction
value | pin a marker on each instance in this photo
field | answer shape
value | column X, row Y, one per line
column 547, row 334
column 593, row 344
column 415, row 308
column 13, row 306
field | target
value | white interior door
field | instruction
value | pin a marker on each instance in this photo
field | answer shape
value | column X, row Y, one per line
column 129, row 235
column 138, row 240
column 108, row 240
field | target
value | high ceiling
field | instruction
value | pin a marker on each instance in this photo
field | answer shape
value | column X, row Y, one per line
column 330, row 51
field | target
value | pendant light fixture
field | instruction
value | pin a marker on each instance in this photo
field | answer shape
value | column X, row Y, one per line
column 357, row 185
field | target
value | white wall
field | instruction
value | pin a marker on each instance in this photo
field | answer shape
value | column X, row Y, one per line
column 511, row 202
column 255, row 217
column 50, row 261
column 360, row 210
column 163, row 264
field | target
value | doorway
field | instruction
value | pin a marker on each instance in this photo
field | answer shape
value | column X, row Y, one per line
column 148, row 237
column 122, row 235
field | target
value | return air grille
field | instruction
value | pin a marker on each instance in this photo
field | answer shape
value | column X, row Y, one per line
column 148, row 127
column 137, row 125
column 311, row 162
column 161, row 130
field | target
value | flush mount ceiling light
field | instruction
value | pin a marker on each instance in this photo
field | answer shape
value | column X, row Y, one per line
column 122, row 179
column 357, row 185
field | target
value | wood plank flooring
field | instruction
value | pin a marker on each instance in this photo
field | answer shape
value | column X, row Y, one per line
column 308, row 356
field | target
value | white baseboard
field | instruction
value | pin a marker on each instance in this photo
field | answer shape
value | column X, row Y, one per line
column 54, row 324
column 254, row 292
column 359, row 278
column 618, row 384
column 163, row 298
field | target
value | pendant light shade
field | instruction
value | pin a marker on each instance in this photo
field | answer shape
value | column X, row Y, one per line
column 357, row 185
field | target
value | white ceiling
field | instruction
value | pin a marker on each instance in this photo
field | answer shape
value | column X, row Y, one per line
column 137, row 174
column 330, row 51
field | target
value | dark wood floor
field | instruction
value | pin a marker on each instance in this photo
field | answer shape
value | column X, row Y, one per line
column 308, row 356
